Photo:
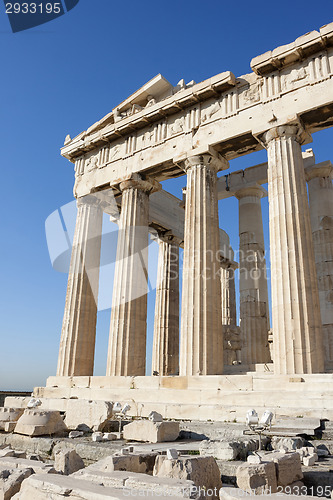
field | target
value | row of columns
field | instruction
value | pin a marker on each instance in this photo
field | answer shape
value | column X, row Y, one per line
column 296, row 316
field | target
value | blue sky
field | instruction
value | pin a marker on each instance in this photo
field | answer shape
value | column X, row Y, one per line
column 65, row 75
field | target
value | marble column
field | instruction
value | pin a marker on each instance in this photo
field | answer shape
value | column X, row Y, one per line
column 77, row 344
column 127, row 343
column 165, row 358
column 231, row 332
column 320, row 186
column 254, row 308
column 228, row 293
column 201, row 351
column 297, row 331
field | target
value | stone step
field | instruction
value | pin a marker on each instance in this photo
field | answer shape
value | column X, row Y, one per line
column 235, row 396
column 227, row 407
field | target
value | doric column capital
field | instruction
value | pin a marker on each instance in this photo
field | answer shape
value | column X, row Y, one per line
column 324, row 169
column 136, row 181
column 251, row 190
column 228, row 264
column 90, row 199
column 171, row 239
column 293, row 130
column 205, row 156
column 204, row 160
column 166, row 237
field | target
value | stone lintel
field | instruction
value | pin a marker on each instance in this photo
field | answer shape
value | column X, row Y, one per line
column 323, row 169
column 228, row 185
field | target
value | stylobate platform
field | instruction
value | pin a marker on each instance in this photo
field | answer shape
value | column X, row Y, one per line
column 215, row 397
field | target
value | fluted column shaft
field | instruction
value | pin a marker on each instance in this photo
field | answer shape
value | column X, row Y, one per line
column 165, row 358
column 201, row 329
column 228, row 294
column 297, row 332
column 320, row 185
column 77, row 344
column 231, row 332
column 127, row 342
column 254, row 309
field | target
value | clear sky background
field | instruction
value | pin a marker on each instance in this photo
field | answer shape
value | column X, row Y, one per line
column 65, row 75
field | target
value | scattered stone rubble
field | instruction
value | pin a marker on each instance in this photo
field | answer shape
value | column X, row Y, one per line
column 84, row 461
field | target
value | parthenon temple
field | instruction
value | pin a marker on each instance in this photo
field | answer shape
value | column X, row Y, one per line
column 206, row 363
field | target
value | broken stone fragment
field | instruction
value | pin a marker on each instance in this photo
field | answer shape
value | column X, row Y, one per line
column 155, row 417
column 151, row 432
column 203, row 471
column 11, row 480
column 133, row 462
column 23, row 463
column 290, row 443
column 9, row 417
column 310, row 460
column 82, row 414
column 40, row 423
column 221, row 450
column 288, row 466
column 257, row 478
column 67, row 461
column 296, row 488
column 289, row 469
column 88, row 486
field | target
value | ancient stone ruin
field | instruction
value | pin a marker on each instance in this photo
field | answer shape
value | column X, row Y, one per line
column 210, row 369
column 161, row 132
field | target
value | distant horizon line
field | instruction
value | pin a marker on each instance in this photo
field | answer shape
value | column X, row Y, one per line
column 14, row 392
